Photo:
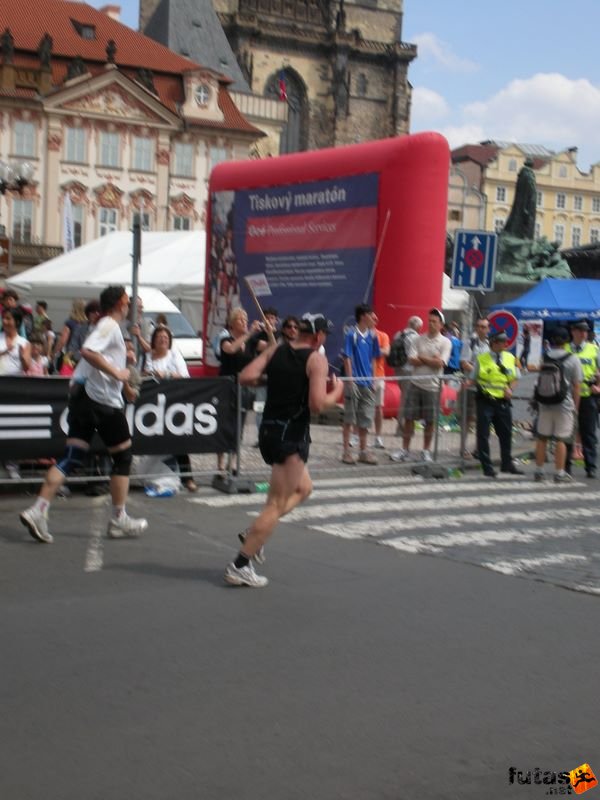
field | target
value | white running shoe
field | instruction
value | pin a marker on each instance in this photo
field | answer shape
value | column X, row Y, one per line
column 37, row 524
column 563, row 477
column 353, row 440
column 244, row 576
column 539, row 476
column 260, row 556
column 379, row 445
column 426, row 456
column 126, row 527
column 399, row 455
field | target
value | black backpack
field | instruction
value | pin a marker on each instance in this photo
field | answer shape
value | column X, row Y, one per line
column 551, row 387
column 398, row 355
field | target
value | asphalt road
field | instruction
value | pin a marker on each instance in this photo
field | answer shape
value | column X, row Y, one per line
column 129, row 671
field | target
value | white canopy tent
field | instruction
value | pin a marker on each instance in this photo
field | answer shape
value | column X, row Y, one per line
column 453, row 299
column 172, row 262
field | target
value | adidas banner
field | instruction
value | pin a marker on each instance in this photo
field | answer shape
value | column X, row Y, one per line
column 183, row 415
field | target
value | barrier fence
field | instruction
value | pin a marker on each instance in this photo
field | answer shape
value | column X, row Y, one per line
column 203, row 417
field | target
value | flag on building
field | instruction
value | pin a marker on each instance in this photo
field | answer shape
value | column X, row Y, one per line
column 282, row 87
column 68, row 232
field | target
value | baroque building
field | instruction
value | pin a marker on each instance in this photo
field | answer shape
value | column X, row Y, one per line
column 120, row 125
column 340, row 66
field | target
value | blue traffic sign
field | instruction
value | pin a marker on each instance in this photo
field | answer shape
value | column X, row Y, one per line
column 474, row 261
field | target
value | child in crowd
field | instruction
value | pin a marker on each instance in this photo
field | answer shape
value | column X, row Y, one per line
column 39, row 361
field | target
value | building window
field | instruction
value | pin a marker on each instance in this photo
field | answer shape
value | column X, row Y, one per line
column 540, row 199
column 538, row 230
column 575, row 236
column 501, row 194
column 512, row 165
column 562, row 171
column 498, row 224
column 559, row 233
column 109, row 149
column 182, row 224
column 143, row 217
column 75, row 145
column 561, row 200
column 184, row 159
column 22, row 221
column 594, row 235
column 142, row 153
column 454, row 215
column 24, row 138
column 362, row 85
column 217, row 154
column 596, row 205
column 78, row 217
column 108, row 221
column 578, row 203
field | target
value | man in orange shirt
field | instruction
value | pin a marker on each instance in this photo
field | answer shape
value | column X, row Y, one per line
column 384, row 347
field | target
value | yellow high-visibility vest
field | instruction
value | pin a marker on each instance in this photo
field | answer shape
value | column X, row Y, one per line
column 588, row 356
column 491, row 379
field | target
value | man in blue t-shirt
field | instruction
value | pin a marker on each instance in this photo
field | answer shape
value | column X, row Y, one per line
column 361, row 347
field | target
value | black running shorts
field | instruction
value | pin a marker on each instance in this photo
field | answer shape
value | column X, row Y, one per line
column 278, row 440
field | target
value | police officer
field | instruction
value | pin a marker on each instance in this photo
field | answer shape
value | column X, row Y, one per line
column 587, row 420
column 495, row 374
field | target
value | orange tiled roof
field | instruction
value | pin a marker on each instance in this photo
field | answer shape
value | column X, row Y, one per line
column 29, row 23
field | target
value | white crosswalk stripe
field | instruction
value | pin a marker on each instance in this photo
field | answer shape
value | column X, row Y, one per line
column 511, row 526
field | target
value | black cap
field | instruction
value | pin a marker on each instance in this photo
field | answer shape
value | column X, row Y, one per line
column 559, row 336
column 498, row 336
column 581, row 325
column 315, row 323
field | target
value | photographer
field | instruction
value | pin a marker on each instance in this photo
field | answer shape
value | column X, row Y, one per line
column 495, row 374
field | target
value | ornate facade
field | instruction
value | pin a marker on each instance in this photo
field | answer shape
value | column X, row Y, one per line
column 340, row 67
column 133, row 134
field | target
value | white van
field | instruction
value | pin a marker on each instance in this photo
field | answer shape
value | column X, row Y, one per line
column 185, row 338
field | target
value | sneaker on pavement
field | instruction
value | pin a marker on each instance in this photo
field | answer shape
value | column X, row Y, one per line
column 379, row 443
column 260, row 556
column 353, row 440
column 126, row 527
column 539, row 477
column 563, row 477
column 348, row 458
column 399, row 455
column 365, row 457
column 244, row 576
column 37, row 524
column 426, row 456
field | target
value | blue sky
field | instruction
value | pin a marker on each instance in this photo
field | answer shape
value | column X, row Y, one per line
column 520, row 70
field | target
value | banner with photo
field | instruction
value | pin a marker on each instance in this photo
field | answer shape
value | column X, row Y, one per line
column 186, row 415
column 314, row 242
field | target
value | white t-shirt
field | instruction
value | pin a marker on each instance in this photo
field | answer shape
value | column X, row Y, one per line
column 106, row 339
column 10, row 362
column 171, row 364
column 429, row 347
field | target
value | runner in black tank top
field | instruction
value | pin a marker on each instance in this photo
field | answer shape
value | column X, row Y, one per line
column 286, row 417
column 297, row 386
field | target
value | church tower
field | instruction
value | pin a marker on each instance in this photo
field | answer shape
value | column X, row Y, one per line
column 341, row 66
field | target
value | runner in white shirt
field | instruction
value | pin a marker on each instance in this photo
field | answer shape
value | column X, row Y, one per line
column 96, row 404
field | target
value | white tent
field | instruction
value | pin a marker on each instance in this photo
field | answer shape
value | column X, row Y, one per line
column 172, row 262
column 453, row 299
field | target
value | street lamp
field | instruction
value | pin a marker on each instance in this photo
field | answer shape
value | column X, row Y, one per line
column 15, row 176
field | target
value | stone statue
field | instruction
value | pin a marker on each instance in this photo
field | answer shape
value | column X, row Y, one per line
column 76, row 67
column 111, row 51
column 521, row 220
column 45, row 50
column 7, row 44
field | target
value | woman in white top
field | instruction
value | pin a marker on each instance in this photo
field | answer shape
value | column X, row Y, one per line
column 15, row 350
column 164, row 362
